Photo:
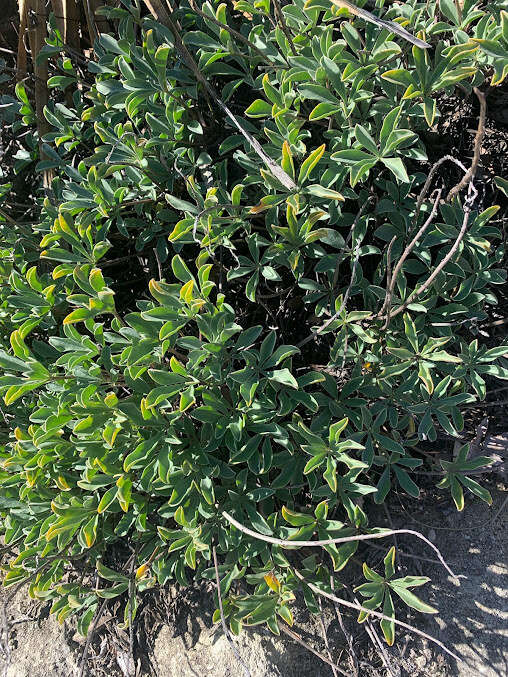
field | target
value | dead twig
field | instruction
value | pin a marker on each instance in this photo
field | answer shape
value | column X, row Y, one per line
column 284, row 26
column 91, row 632
column 377, row 614
column 298, row 639
column 389, row 279
column 390, row 285
column 325, row 638
column 425, row 285
column 347, row 635
column 471, row 172
column 390, row 26
column 430, row 176
column 132, row 594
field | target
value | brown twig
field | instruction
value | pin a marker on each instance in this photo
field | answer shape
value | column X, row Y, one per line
column 327, row 645
column 284, row 26
column 376, row 642
column 91, row 632
column 425, row 285
column 390, row 286
column 389, row 278
column 347, row 635
column 430, row 176
column 471, row 172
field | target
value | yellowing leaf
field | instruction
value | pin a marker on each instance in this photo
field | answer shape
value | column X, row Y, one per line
column 272, row 582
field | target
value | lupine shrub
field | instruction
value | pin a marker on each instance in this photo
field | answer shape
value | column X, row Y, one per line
column 311, row 324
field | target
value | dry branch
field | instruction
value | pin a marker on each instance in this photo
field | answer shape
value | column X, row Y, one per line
column 471, row 172
column 332, row 541
column 377, row 614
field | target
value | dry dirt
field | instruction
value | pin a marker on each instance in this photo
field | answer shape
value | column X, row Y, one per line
column 472, row 620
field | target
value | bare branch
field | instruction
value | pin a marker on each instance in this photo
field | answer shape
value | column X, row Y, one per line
column 298, row 639
column 471, row 172
column 330, row 541
column 391, row 283
column 417, row 292
column 377, row 614
column 432, row 172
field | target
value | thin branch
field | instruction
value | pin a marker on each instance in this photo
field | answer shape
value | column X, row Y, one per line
column 222, row 618
column 349, row 236
column 331, row 541
column 327, row 645
column 377, row 614
column 165, row 16
column 91, row 632
column 159, row 265
column 442, row 264
column 388, row 297
column 331, row 319
column 347, row 635
column 390, row 26
column 391, row 284
column 298, row 639
column 377, row 643
column 284, row 26
column 471, row 172
column 132, row 597
column 432, row 172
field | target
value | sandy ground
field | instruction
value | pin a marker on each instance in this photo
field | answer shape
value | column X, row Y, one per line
column 472, row 620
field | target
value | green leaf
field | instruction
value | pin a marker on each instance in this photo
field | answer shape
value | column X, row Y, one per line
column 323, row 110
column 476, row 488
column 396, row 166
column 314, row 462
column 457, row 493
column 284, row 377
column 326, row 193
column 107, row 499
column 388, row 627
column 411, row 599
column 363, row 136
column 309, row 163
column 389, row 562
column 429, row 110
column 113, row 591
column 259, row 109
column 187, row 399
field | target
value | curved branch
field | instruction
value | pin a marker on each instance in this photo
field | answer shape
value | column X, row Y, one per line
column 333, row 541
